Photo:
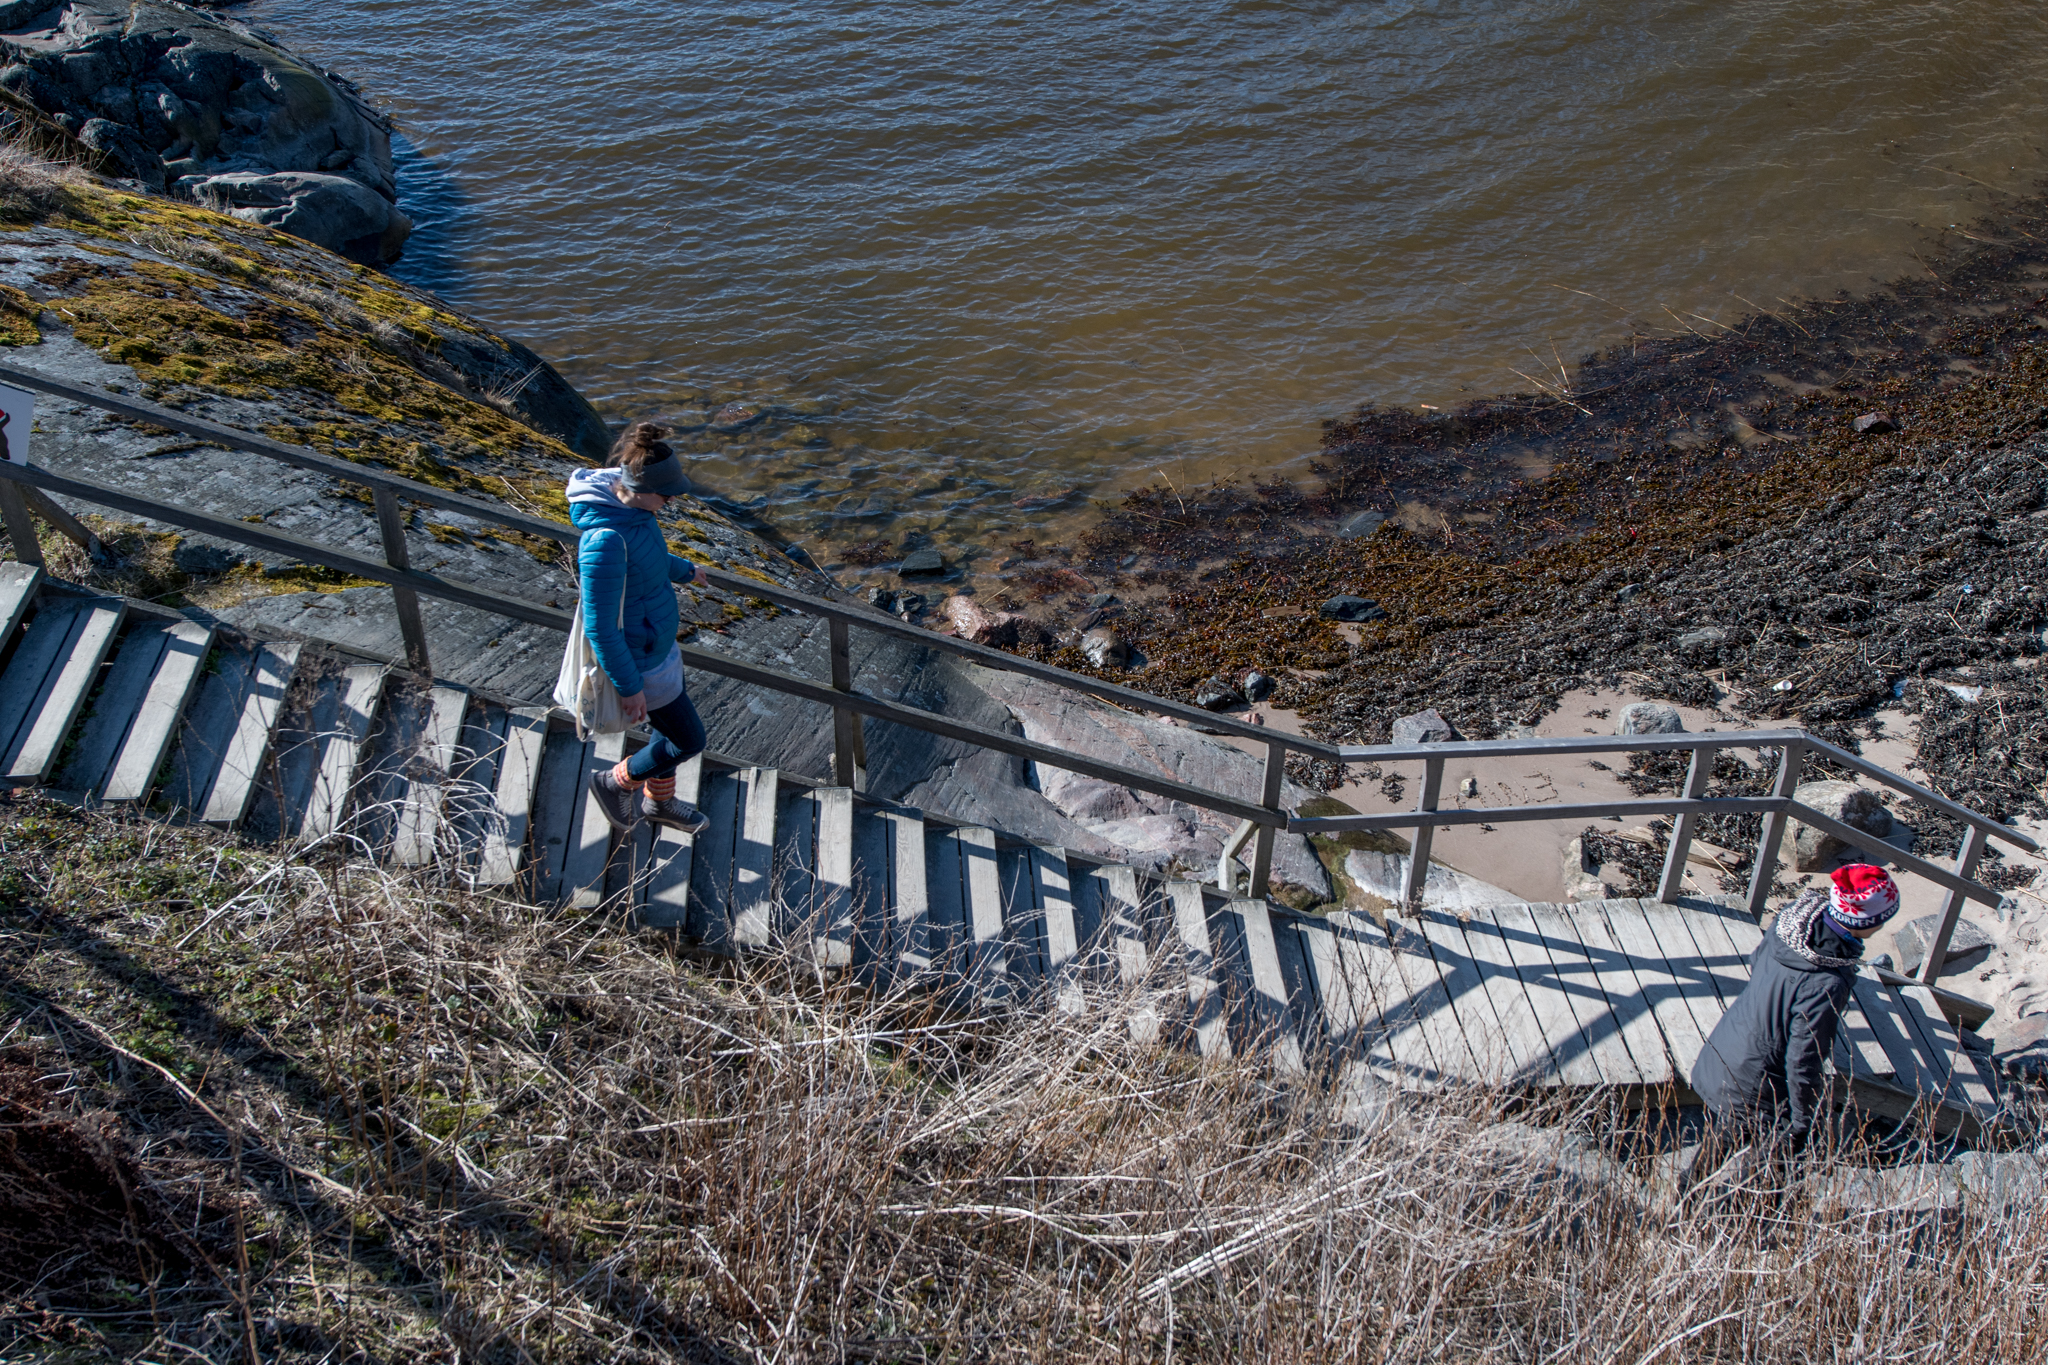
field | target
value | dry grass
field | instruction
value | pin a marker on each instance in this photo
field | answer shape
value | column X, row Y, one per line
column 32, row 187
column 405, row 1119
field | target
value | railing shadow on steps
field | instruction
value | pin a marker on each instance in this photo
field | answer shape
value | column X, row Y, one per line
column 25, row 488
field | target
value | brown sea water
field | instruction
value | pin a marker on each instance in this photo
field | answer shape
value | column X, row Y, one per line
column 979, row 263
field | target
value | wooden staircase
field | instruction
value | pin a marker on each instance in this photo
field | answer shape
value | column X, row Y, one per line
column 113, row 703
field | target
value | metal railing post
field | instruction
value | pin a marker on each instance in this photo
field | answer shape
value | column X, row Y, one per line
column 21, row 528
column 1425, row 834
column 1269, row 797
column 849, row 740
column 1773, row 832
column 391, row 522
column 1672, row 884
column 1952, row 906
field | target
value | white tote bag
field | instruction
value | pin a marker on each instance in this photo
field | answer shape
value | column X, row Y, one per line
column 582, row 688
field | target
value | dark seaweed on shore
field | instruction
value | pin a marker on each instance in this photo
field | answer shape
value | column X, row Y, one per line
column 1712, row 530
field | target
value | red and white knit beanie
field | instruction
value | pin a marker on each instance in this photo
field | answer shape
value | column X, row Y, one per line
column 1862, row 897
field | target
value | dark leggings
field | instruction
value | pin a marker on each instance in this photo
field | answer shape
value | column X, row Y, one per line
column 678, row 737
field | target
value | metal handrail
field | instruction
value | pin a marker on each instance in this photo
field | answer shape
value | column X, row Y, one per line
column 1687, row 807
column 1265, row 814
column 1260, row 819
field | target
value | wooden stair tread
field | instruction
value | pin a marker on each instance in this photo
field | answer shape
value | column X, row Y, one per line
column 139, row 754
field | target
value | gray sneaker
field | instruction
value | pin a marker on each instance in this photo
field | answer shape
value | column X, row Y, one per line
column 680, row 816
column 621, row 805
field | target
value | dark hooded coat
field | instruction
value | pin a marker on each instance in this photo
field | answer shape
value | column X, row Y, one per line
column 1762, row 1063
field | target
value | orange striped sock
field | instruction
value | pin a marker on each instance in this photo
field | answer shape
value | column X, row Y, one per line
column 661, row 788
column 624, row 778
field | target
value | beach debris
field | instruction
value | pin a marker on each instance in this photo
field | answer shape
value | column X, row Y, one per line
column 1214, row 693
column 1700, row 639
column 1345, row 607
column 1468, row 787
column 1424, row 727
column 1649, row 718
column 1857, row 807
column 1105, row 649
column 1874, row 424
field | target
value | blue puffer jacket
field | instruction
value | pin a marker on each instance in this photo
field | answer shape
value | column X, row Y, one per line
column 622, row 551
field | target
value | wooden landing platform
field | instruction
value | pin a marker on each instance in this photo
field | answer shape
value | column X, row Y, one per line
column 1615, row 993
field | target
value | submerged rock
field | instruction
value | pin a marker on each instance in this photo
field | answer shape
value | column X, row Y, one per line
column 923, row 562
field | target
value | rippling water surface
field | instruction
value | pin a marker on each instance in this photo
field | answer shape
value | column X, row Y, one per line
column 984, row 259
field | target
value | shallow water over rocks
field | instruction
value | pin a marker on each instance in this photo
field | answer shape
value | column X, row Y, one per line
column 972, row 264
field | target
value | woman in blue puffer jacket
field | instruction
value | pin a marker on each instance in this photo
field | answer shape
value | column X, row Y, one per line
column 630, row 614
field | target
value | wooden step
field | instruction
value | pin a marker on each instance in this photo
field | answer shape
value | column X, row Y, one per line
column 1117, row 947
column 471, row 804
column 18, row 585
column 666, row 901
column 61, row 692
column 813, row 882
column 891, row 899
column 208, row 724
column 711, row 865
column 590, row 838
column 557, row 804
column 753, row 859
column 418, row 842
column 1204, row 974
column 1270, row 1017
column 341, row 747
column 113, row 710
column 139, row 753
column 248, row 745
column 518, row 779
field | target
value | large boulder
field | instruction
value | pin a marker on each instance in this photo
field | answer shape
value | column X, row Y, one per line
column 1814, row 850
column 1649, row 718
column 1424, row 727
column 343, row 215
column 175, row 98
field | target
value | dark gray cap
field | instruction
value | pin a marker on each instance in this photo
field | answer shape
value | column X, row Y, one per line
column 664, row 476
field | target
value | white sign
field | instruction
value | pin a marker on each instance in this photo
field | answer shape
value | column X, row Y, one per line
column 20, row 407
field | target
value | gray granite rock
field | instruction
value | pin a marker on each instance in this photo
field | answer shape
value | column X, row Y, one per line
column 1352, row 609
column 1857, row 807
column 343, row 215
column 1703, row 638
column 1217, row 693
column 1649, row 718
column 1967, row 946
column 1424, row 727
column 1103, row 648
column 922, row 563
column 1257, row 686
column 174, row 98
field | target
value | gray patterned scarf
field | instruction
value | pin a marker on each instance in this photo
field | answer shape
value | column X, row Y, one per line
column 1795, row 929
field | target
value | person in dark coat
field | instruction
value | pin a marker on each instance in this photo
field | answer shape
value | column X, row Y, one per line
column 1760, row 1073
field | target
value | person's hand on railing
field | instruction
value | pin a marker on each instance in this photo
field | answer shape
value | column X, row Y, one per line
column 634, row 708
column 700, row 579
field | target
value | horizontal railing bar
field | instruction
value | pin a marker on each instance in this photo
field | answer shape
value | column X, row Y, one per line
column 989, row 656
column 1863, row 839
column 1716, row 739
column 245, row 533
column 233, row 438
column 1570, row 744
column 1509, row 815
column 1908, row 787
column 372, row 476
column 933, row 723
